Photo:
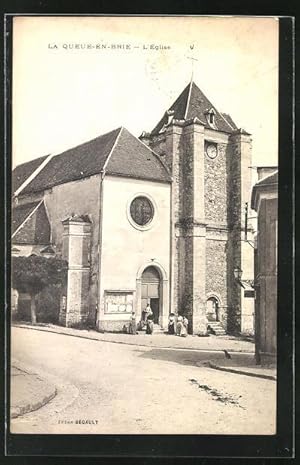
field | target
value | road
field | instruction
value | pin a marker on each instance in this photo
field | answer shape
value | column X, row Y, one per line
column 123, row 389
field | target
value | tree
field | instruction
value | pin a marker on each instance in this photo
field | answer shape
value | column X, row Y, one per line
column 32, row 274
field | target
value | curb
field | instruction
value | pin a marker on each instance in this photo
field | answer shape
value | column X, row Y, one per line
column 18, row 411
column 128, row 343
column 241, row 372
column 31, row 406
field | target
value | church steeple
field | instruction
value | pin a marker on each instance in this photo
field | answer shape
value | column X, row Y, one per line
column 192, row 103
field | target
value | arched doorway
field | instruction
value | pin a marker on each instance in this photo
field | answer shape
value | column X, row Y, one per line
column 151, row 292
column 212, row 309
column 158, row 274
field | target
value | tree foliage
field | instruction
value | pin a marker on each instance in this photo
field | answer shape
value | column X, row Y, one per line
column 32, row 274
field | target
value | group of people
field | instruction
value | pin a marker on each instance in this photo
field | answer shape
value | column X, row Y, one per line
column 178, row 325
column 147, row 320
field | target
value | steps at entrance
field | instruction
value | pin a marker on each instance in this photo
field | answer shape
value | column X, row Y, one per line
column 157, row 329
column 216, row 328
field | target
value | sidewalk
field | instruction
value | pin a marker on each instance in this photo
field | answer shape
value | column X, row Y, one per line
column 244, row 365
column 158, row 340
column 29, row 392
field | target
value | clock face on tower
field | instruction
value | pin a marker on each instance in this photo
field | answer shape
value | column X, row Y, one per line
column 211, row 150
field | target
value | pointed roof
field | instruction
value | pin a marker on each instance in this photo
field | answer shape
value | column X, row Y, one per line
column 192, row 103
column 118, row 152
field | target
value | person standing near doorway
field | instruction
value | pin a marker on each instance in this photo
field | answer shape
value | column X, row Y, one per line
column 171, row 324
column 185, row 323
column 150, row 325
column 132, row 324
column 182, row 326
column 147, row 312
column 179, row 326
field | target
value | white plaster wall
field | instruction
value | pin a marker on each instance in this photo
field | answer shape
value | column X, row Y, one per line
column 247, row 304
column 247, row 316
column 124, row 248
column 247, row 259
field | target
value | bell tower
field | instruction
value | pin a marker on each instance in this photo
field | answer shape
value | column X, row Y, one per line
column 208, row 157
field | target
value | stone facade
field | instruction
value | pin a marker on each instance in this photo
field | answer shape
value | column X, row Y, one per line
column 216, row 284
column 215, row 181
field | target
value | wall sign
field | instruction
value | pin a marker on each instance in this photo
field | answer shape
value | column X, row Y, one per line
column 118, row 302
column 249, row 293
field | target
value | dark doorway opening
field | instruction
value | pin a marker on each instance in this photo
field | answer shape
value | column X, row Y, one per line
column 154, row 304
column 212, row 309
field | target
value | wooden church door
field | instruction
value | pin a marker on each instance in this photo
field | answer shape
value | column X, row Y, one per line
column 150, row 291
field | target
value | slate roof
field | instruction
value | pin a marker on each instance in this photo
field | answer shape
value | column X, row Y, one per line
column 34, row 224
column 118, row 151
column 193, row 103
column 268, row 180
column 23, row 171
column 77, row 163
column 20, row 213
column 132, row 158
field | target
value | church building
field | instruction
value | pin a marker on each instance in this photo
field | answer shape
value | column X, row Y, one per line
column 158, row 220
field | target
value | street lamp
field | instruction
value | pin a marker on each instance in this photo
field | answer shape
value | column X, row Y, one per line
column 238, row 273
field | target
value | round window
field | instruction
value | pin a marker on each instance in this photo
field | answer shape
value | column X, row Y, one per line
column 141, row 210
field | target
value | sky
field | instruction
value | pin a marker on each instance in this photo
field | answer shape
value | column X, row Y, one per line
column 71, row 83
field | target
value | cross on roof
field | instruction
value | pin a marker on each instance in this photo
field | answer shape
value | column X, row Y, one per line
column 193, row 59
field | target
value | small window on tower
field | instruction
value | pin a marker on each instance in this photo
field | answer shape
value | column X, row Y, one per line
column 210, row 117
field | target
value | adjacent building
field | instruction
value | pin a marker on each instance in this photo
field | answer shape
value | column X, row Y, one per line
column 265, row 202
